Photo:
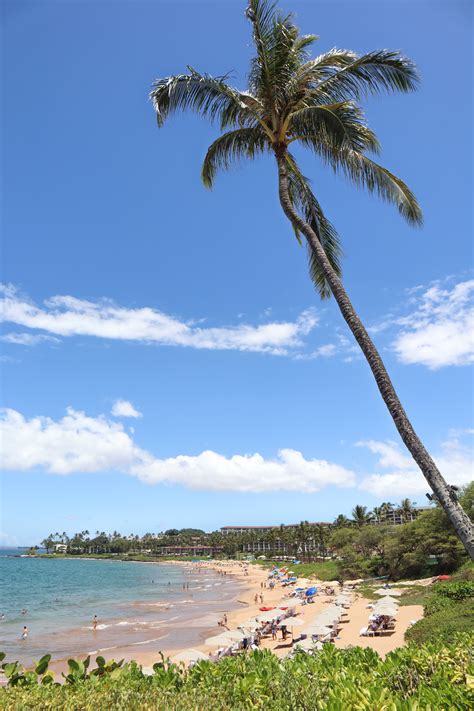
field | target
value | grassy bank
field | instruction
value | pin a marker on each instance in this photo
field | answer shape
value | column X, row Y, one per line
column 323, row 570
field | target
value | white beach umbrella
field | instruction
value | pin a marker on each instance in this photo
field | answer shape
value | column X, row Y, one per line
column 226, row 638
column 387, row 591
column 319, row 629
column 386, row 611
column 387, row 599
column 307, row 645
column 333, row 611
column 251, row 624
column 327, row 620
column 189, row 655
column 291, row 622
column 342, row 600
column 270, row 615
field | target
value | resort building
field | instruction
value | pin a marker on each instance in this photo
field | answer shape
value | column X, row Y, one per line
column 241, row 530
column 397, row 517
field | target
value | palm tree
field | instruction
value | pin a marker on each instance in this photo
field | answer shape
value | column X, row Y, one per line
column 377, row 513
column 406, row 509
column 360, row 515
column 341, row 521
column 292, row 98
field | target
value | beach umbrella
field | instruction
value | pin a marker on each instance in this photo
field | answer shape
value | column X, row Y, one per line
column 333, row 610
column 308, row 645
column 291, row 622
column 386, row 601
column 226, row 638
column 385, row 610
column 251, row 624
column 269, row 615
column 189, row 655
column 320, row 630
column 327, row 618
column 387, row 591
column 311, row 591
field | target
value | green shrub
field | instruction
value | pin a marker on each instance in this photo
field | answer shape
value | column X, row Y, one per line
column 433, row 676
column 443, row 623
column 461, row 590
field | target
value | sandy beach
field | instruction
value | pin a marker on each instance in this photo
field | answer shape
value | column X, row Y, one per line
column 251, row 584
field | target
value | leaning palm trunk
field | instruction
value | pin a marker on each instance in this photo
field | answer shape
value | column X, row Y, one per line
column 314, row 102
column 459, row 519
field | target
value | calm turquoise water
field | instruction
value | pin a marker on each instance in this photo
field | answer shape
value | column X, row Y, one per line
column 141, row 607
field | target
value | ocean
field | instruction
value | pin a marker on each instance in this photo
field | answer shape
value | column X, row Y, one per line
column 141, row 606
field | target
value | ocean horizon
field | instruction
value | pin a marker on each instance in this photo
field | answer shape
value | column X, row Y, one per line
column 142, row 607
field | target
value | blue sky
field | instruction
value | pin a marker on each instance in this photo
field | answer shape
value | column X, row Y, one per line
column 195, row 307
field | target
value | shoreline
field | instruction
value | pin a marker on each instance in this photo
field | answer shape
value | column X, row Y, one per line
column 251, row 581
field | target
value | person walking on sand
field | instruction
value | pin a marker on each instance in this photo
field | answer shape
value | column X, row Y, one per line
column 256, row 598
column 225, row 619
column 274, row 629
column 261, row 598
column 24, row 634
column 95, row 622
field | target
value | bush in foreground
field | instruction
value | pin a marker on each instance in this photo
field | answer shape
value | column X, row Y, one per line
column 431, row 676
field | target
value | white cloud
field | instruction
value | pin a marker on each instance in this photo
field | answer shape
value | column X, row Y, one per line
column 124, row 408
column 289, row 471
column 455, row 462
column 27, row 339
column 69, row 316
column 75, row 443
column 440, row 331
column 78, row 443
column 8, row 540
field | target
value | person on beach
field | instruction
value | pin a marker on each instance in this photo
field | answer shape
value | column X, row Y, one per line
column 24, row 634
column 274, row 630
column 225, row 620
column 256, row 598
column 261, row 598
column 95, row 622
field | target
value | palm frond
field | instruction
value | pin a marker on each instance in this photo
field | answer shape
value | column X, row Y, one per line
column 341, row 125
column 232, row 146
column 210, row 96
column 366, row 173
column 305, row 202
column 280, row 51
column 374, row 72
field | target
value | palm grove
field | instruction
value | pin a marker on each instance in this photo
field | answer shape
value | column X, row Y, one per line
column 357, row 547
column 292, row 99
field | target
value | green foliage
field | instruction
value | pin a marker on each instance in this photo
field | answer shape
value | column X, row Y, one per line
column 448, row 609
column 443, row 621
column 456, row 591
column 293, row 98
column 435, row 675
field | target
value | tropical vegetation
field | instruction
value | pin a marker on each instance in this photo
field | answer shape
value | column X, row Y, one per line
column 293, row 100
column 448, row 608
column 368, row 545
column 436, row 675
